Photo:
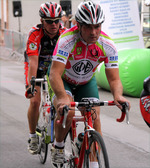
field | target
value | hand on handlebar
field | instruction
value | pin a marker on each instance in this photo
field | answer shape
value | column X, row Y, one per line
column 119, row 100
column 29, row 93
column 124, row 105
column 61, row 103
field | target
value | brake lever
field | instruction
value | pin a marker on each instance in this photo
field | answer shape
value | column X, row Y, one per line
column 32, row 81
column 127, row 113
column 65, row 112
column 64, row 116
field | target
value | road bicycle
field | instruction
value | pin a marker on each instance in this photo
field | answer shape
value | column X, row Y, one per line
column 45, row 126
column 93, row 144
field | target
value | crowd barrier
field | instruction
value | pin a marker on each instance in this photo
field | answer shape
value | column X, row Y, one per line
column 14, row 45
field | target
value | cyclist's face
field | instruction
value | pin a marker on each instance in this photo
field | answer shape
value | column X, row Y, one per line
column 51, row 27
column 90, row 33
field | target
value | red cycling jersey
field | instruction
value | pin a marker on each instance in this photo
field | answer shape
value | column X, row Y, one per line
column 41, row 45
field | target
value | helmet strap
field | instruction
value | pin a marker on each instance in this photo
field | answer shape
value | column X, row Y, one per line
column 50, row 34
column 46, row 31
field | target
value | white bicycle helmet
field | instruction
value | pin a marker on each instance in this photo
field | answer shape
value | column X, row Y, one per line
column 50, row 10
column 89, row 13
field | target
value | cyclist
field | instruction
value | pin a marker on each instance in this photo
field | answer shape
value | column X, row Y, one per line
column 39, row 48
column 76, row 56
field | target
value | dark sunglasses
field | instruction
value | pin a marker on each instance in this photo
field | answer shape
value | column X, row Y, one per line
column 48, row 21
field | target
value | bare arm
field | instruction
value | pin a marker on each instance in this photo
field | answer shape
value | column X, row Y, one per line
column 57, row 85
column 115, row 85
column 33, row 66
column 114, row 81
column 56, row 82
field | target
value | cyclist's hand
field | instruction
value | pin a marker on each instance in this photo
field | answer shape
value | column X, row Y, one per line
column 61, row 103
column 29, row 94
column 119, row 100
column 60, row 108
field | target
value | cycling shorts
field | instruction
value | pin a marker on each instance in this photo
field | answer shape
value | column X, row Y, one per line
column 88, row 90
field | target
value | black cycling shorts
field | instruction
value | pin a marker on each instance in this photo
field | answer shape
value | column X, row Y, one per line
column 40, row 74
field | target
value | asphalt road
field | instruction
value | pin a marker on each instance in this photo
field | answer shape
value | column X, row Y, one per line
column 128, row 145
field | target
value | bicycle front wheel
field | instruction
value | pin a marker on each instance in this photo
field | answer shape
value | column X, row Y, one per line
column 96, row 151
column 41, row 133
column 43, row 147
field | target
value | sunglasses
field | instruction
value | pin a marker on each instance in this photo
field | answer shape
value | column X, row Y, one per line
column 48, row 21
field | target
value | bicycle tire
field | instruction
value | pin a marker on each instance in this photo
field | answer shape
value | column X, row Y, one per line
column 45, row 139
column 43, row 148
column 41, row 133
column 102, row 157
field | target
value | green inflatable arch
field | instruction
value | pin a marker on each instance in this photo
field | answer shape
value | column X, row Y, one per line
column 134, row 67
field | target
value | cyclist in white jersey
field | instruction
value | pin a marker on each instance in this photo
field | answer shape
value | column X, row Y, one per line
column 77, row 54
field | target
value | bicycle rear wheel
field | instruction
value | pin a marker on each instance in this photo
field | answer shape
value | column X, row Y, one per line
column 97, row 150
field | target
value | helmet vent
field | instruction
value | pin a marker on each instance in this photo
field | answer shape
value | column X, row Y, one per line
column 45, row 9
column 97, row 13
column 93, row 14
column 47, row 5
column 83, row 15
column 52, row 9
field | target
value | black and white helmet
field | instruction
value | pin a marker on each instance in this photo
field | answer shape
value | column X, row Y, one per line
column 50, row 10
column 89, row 13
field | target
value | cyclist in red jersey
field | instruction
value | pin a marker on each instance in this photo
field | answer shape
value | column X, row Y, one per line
column 76, row 56
column 41, row 42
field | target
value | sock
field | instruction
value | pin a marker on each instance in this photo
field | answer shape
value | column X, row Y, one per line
column 59, row 144
column 32, row 135
column 94, row 165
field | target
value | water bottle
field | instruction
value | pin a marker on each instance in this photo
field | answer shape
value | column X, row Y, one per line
column 79, row 141
column 47, row 113
column 47, row 119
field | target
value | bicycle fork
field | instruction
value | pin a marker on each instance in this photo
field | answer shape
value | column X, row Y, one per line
column 78, row 160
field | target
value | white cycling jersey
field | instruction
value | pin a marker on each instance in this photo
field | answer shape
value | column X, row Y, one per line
column 81, row 59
